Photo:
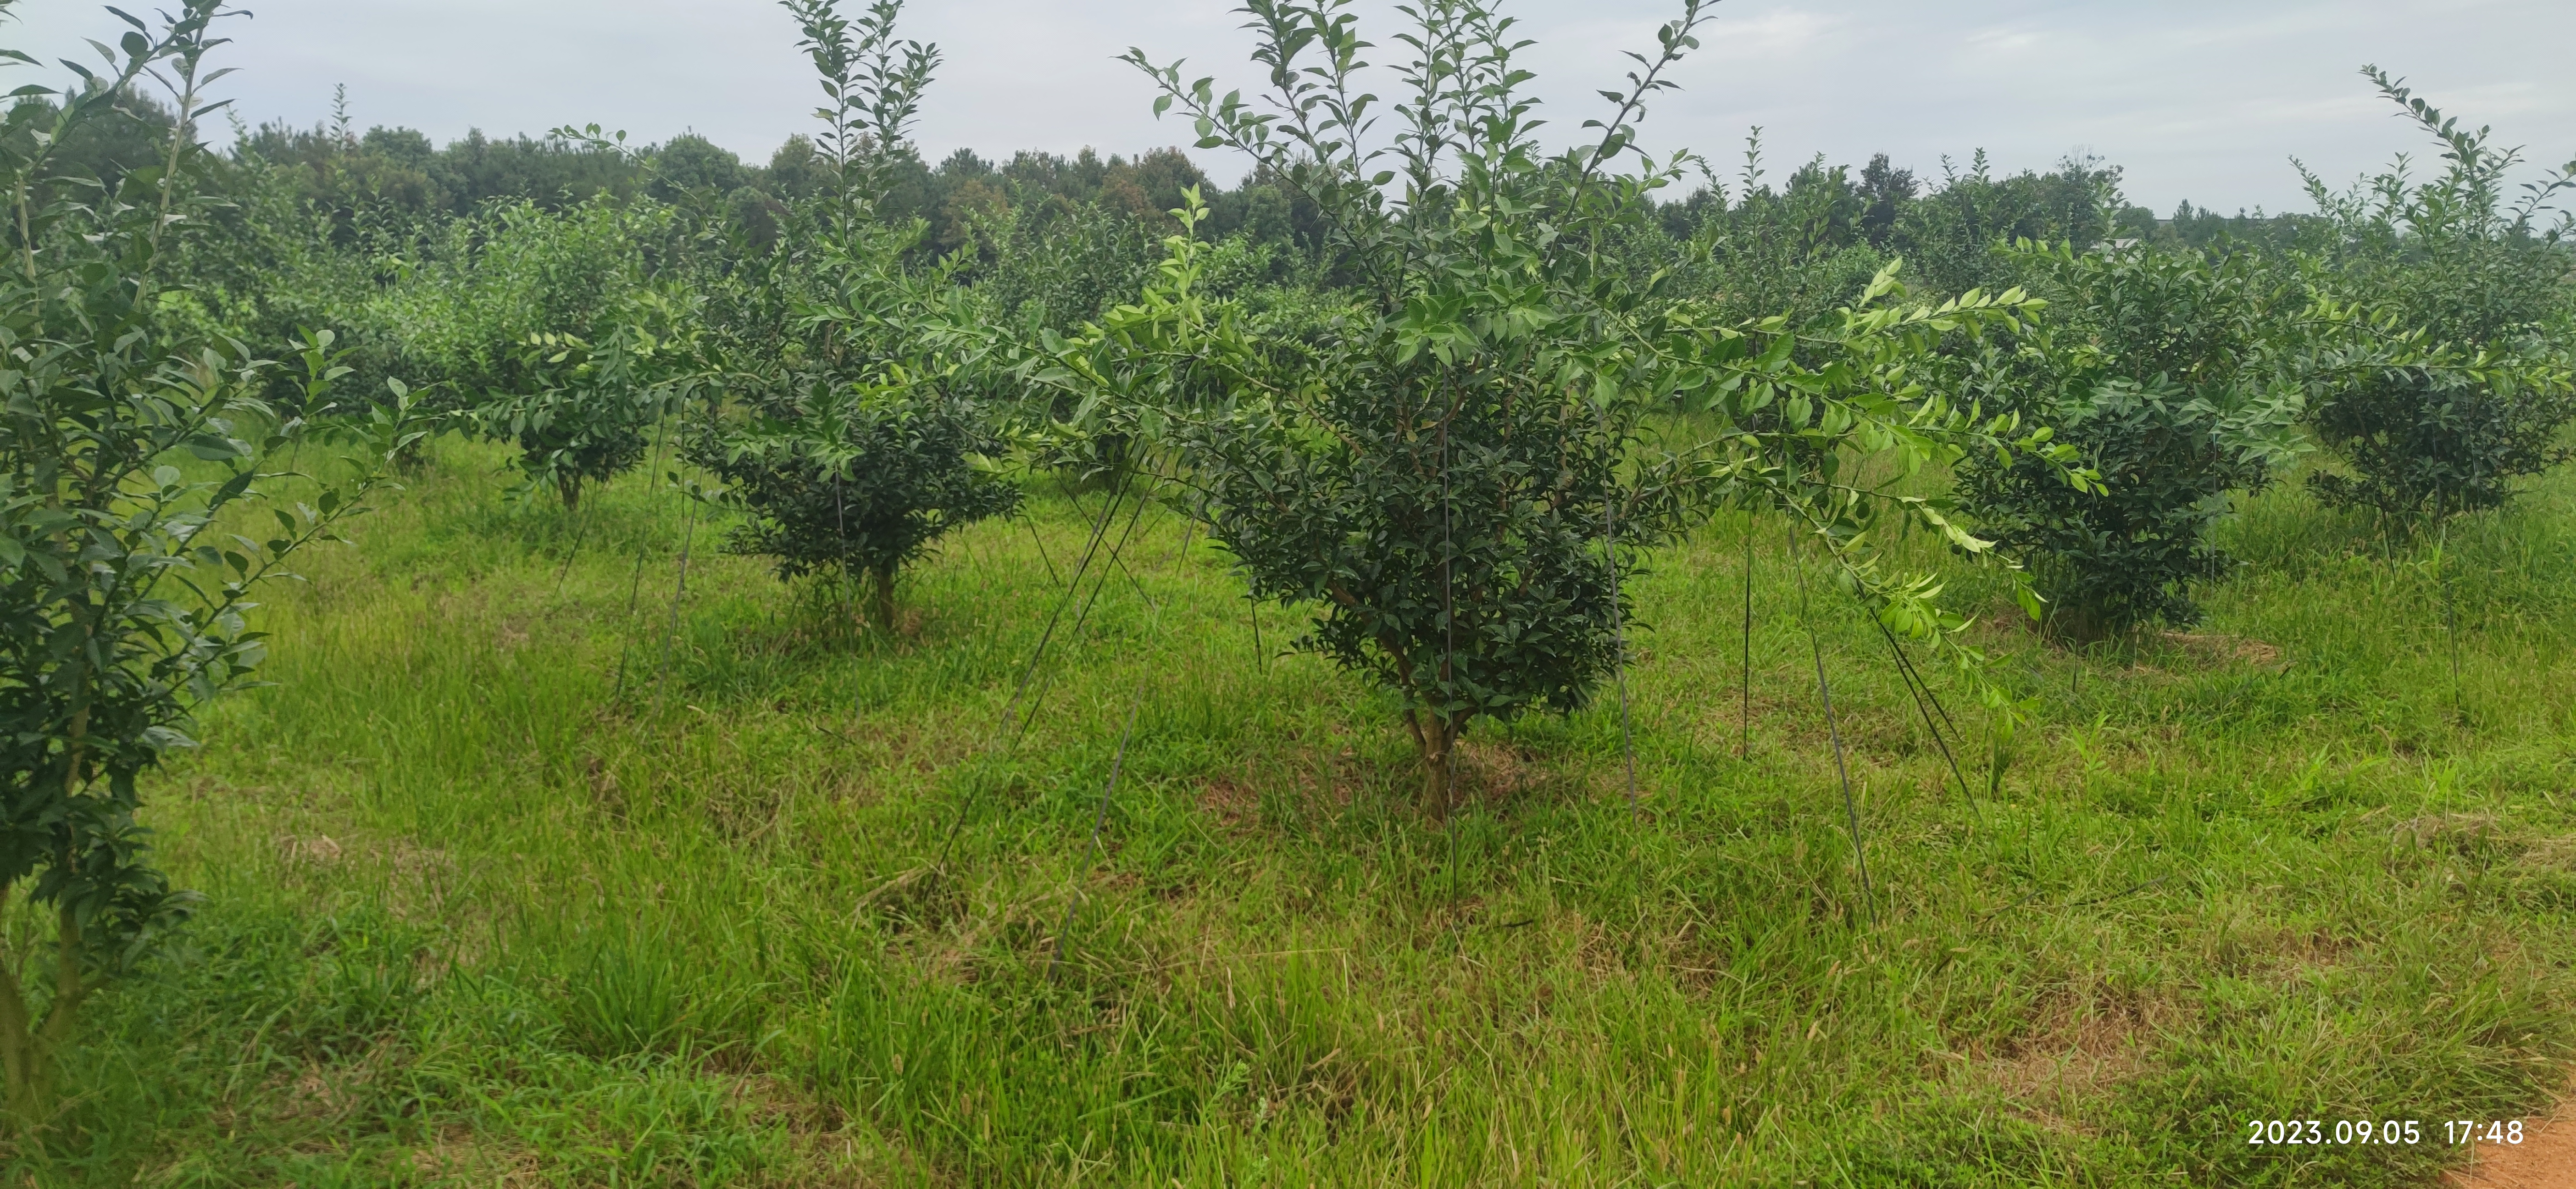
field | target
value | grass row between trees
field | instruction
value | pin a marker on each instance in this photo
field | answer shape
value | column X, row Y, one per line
column 472, row 917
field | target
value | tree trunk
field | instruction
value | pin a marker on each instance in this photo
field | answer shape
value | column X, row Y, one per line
column 569, row 486
column 881, row 597
column 2073, row 625
column 18, row 1056
column 28, row 1047
column 1438, row 739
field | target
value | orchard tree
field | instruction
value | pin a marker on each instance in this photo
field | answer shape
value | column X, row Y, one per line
column 585, row 410
column 1454, row 472
column 858, row 442
column 543, row 330
column 2483, row 277
column 2178, row 377
column 857, row 480
column 135, row 528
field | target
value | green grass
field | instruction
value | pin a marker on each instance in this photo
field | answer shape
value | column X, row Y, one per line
column 475, row 921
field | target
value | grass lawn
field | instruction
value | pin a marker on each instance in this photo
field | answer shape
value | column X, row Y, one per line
column 505, row 890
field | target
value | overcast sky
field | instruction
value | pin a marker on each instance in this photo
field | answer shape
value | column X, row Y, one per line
column 2199, row 99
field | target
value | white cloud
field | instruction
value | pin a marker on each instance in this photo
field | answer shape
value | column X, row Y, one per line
column 1769, row 34
column 2006, row 42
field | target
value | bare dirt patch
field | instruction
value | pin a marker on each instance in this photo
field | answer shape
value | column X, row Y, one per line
column 1496, row 772
column 2545, row 1159
column 314, row 852
column 1234, row 803
column 2080, row 1046
column 2221, row 649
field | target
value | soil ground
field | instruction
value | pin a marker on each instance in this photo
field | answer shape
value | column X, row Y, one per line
column 2545, row 1159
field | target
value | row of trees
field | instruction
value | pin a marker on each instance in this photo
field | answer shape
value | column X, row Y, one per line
column 1430, row 381
column 142, row 506
column 2416, row 327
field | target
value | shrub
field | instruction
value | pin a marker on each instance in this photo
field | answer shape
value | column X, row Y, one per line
column 2479, row 276
column 1958, row 237
column 513, row 270
column 1799, row 251
column 858, row 444
column 1451, row 472
column 2166, row 373
column 2423, row 438
column 583, row 412
column 856, row 479
column 129, row 479
column 1432, row 473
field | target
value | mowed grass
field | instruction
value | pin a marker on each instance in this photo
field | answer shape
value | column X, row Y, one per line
column 505, row 889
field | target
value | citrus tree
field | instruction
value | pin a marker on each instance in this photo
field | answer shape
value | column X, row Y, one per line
column 2178, row 377
column 859, row 439
column 1454, row 471
column 2484, row 276
column 135, row 529
column 857, row 479
column 583, row 411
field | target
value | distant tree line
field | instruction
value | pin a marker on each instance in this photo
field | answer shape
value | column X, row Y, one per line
column 1830, row 224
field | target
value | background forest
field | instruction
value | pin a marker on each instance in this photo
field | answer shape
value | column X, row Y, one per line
column 351, row 204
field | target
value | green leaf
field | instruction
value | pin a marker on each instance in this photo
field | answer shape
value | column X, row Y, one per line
column 212, row 448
